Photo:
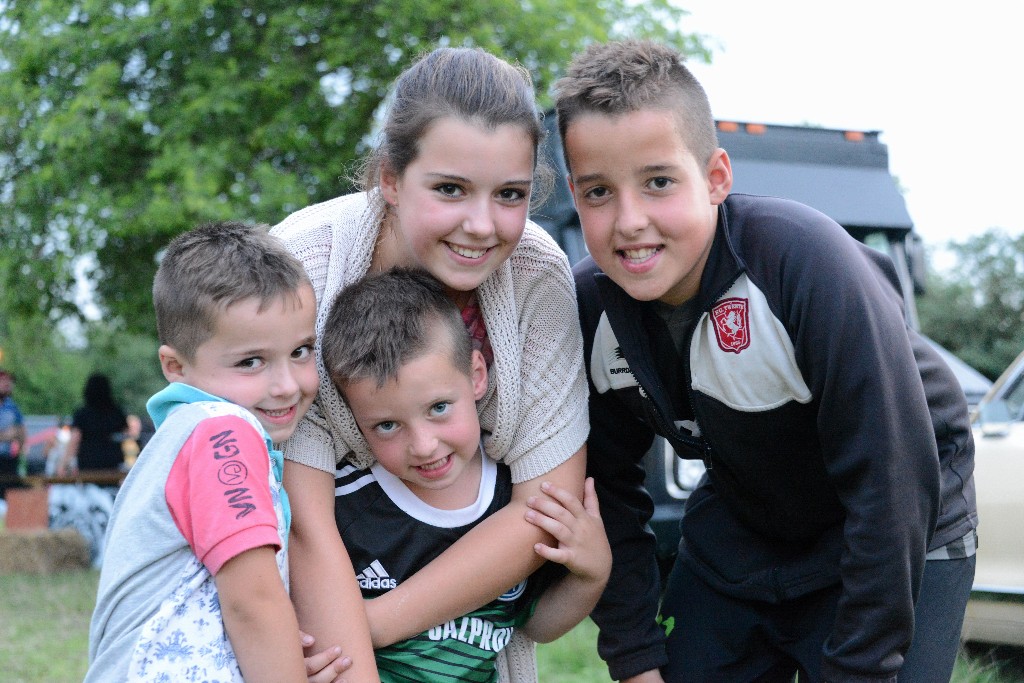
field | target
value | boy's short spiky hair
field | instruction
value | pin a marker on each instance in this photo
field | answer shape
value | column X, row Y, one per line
column 385, row 320
column 625, row 76
column 205, row 270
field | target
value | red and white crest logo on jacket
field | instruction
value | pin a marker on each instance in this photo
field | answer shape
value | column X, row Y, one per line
column 732, row 324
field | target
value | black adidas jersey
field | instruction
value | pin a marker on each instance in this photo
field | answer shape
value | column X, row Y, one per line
column 390, row 534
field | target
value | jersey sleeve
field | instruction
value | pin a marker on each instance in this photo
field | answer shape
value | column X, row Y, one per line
column 218, row 491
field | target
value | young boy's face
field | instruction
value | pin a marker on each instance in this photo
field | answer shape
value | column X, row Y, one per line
column 648, row 208
column 422, row 426
column 260, row 360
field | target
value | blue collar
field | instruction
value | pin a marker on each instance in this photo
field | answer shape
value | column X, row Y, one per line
column 176, row 394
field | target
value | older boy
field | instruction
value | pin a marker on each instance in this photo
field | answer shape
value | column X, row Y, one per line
column 755, row 334
column 193, row 585
column 397, row 348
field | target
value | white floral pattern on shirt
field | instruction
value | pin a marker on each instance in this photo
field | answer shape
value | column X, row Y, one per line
column 185, row 639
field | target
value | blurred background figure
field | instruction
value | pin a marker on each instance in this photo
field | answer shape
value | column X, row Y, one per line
column 12, row 431
column 57, row 445
column 97, row 429
column 131, row 444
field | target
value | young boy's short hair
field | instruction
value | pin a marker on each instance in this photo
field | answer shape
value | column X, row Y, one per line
column 385, row 320
column 622, row 77
column 211, row 267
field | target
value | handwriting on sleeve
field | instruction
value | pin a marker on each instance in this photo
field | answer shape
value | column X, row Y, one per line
column 232, row 472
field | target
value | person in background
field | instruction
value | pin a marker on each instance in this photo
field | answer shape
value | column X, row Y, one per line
column 57, row 445
column 12, row 431
column 97, row 428
column 130, row 442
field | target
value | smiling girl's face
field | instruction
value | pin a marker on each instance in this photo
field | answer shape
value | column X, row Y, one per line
column 460, row 207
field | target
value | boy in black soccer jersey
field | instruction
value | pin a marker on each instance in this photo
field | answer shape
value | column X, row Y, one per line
column 396, row 347
column 836, row 523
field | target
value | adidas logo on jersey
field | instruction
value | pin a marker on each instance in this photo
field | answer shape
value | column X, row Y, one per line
column 375, row 577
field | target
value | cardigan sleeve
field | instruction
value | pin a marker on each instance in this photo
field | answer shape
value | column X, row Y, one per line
column 542, row 417
column 334, row 241
column 307, row 236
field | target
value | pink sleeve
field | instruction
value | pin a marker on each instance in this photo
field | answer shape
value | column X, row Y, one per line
column 218, row 491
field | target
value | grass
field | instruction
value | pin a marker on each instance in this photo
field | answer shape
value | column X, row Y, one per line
column 44, row 630
column 573, row 659
column 44, row 627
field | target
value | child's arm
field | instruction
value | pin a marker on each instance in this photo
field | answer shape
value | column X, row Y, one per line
column 582, row 547
column 324, row 589
column 232, row 527
column 483, row 564
column 259, row 619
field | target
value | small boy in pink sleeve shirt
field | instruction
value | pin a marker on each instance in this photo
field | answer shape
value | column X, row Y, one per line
column 194, row 581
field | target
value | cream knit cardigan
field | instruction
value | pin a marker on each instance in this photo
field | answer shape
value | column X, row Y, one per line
column 534, row 414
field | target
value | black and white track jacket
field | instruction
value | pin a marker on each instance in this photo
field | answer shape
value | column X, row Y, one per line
column 837, row 442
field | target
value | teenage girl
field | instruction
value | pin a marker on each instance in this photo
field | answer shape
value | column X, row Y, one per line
column 448, row 189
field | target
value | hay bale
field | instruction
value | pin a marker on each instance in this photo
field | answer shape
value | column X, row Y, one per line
column 43, row 551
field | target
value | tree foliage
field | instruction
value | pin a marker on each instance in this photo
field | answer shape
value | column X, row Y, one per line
column 976, row 310
column 124, row 123
column 51, row 374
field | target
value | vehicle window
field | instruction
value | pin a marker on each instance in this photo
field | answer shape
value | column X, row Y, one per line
column 879, row 241
column 1014, row 398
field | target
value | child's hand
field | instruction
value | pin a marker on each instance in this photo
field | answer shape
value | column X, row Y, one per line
column 324, row 667
column 582, row 543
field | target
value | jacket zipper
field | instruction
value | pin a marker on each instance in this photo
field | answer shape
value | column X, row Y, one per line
column 705, row 445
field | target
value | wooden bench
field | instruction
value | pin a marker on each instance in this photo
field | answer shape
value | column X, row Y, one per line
column 112, row 477
column 28, row 504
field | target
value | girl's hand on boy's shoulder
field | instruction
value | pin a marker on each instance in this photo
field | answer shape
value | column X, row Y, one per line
column 324, row 667
column 577, row 527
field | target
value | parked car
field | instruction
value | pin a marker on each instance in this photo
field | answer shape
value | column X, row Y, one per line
column 995, row 613
column 974, row 384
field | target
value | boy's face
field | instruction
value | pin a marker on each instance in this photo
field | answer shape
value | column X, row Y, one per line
column 422, row 426
column 648, row 208
column 260, row 360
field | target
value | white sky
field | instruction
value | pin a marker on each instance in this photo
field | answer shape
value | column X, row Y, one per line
column 942, row 82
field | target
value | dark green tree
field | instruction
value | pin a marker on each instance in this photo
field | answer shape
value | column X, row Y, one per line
column 49, row 374
column 124, row 123
column 976, row 309
column 130, row 361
